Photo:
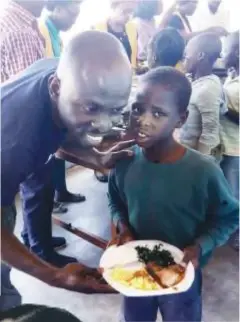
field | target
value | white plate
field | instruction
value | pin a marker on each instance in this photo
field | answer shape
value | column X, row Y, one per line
column 125, row 254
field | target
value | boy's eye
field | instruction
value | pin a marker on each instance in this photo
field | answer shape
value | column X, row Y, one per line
column 157, row 115
column 92, row 108
column 117, row 111
column 136, row 108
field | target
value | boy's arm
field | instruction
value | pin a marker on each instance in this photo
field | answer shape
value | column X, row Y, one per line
column 208, row 103
column 224, row 217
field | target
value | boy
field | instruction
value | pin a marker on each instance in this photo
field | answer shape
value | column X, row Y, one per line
column 201, row 131
column 147, row 199
column 229, row 132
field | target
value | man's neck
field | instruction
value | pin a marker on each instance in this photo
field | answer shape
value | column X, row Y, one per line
column 167, row 151
column 115, row 26
column 202, row 72
column 55, row 23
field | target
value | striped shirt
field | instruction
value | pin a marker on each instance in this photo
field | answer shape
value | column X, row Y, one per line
column 21, row 42
column 202, row 127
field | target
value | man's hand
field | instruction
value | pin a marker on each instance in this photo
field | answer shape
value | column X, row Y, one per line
column 79, row 278
column 192, row 254
column 121, row 150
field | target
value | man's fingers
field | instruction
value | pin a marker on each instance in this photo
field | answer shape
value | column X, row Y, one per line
column 123, row 145
column 123, row 154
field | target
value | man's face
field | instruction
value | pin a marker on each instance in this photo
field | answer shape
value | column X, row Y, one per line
column 191, row 57
column 188, row 7
column 36, row 6
column 67, row 14
column 91, row 103
column 214, row 5
column 123, row 11
column 154, row 115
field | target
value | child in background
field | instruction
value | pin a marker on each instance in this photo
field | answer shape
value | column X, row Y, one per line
column 147, row 201
column 201, row 131
column 230, row 122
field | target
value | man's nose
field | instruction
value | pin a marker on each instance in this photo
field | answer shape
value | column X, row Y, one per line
column 103, row 124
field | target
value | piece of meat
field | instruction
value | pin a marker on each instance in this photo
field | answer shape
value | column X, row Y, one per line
column 168, row 276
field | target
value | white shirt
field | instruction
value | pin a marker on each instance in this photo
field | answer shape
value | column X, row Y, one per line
column 203, row 18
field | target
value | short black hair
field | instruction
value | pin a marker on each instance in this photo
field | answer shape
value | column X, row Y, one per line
column 174, row 81
column 37, row 313
column 147, row 9
column 167, row 46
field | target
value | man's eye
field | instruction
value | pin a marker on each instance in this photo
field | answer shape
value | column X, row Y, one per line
column 117, row 111
column 93, row 108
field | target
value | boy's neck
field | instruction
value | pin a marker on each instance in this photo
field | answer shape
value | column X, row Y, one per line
column 165, row 152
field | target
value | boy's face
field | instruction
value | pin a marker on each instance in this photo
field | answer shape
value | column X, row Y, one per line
column 67, row 15
column 154, row 115
column 230, row 52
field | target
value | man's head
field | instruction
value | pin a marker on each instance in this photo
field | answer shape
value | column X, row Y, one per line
column 231, row 51
column 166, row 48
column 91, row 87
column 122, row 10
column 63, row 12
column 202, row 52
column 187, row 7
column 213, row 5
column 160, row 105
column 146, row 10
column 33, row 6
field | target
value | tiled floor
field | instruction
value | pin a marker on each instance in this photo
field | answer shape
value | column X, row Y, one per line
column 221, row 286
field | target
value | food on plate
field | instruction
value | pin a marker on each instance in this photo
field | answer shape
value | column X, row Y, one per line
column 161, row 257
column 138, row 279
column 167, row 276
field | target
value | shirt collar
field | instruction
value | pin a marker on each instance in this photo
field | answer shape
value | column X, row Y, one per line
column 26, row 16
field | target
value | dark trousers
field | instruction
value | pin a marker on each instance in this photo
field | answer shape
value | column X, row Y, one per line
column 230, row 168
column 37, row 194
column 182, row 307
column 59, row 176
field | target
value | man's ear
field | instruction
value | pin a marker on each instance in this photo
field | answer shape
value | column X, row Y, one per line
column 201, row 56
column 183, row 118
column 54, row 87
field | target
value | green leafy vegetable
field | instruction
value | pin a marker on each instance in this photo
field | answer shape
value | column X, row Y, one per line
column 157, row 255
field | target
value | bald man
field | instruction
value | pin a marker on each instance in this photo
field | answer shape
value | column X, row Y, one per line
column 201, row 130
column 82, row 95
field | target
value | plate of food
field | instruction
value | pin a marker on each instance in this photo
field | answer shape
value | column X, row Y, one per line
column 146, row 268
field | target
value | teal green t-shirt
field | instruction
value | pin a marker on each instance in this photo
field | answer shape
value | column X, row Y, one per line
column 180, row 203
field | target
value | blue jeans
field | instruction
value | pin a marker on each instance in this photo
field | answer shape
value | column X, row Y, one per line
column 181, row 307
column 230, row 168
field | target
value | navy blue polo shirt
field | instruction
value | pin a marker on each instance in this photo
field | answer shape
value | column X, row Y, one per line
column 29, row 136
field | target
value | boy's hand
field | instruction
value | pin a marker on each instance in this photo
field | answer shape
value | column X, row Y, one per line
column 124, row 236
column 192, row 254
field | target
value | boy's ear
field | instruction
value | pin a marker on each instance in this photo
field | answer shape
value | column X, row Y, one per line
column 183, row 118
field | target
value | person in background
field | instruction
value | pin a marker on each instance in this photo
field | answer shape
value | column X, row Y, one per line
column 146, row 25
column 201, row 131
column 120, row 25
column 211, row 13
column 180, row 20
column 60, row 16
column 166, row 49
column 229, row 133
column 146, row 198
column 37, row 313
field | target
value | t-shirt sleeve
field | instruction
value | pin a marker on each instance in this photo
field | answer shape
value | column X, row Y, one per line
column 175, row 22
column 223, row 214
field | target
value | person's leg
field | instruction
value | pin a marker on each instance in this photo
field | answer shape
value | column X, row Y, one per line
column 37, row 197
column 139, row 309
column 10, row 297
column 183, row 307
column 230, row 168
column 61, row 192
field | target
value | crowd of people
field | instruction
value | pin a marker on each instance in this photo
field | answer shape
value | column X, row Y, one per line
column 60, row 103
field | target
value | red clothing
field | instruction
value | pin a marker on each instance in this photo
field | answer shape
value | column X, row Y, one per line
column 21, row 42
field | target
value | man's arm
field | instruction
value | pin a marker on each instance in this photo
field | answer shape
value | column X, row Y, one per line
column 223, row 218
column 208, row 104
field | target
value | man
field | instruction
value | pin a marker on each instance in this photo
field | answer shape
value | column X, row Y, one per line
column 62, row 100
column 22, row 45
